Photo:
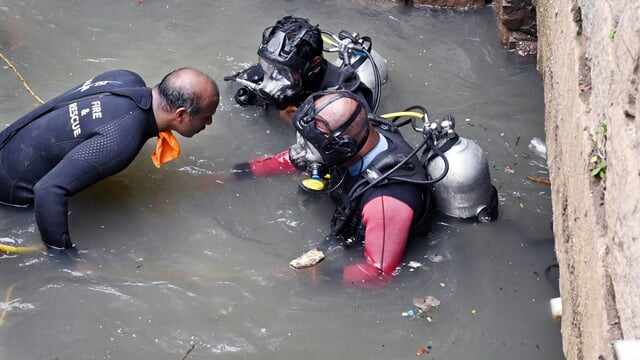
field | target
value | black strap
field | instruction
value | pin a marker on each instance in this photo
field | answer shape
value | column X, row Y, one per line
column 444, row 147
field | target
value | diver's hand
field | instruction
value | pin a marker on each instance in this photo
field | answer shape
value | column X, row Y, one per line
column 287, row 114
column 242, row 170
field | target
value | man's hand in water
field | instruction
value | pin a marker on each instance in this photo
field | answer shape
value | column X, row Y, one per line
column 287, row 114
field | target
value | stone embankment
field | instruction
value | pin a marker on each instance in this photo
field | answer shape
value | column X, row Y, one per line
column 589, row 58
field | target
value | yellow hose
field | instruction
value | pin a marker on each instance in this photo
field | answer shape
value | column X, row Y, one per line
column 328, row 40
column 19, row 250
column 24, row 82
column 403, row 114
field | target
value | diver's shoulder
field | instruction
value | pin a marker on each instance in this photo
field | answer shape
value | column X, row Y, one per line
column 124, row 76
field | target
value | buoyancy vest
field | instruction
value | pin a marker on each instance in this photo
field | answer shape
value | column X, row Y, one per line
column 346, row 222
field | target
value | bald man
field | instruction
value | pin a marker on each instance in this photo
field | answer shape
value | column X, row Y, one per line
column 93, row 131
column 335, row 137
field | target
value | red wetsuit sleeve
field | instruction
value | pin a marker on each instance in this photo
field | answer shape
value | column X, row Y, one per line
column 278, row 164
column 387, row 223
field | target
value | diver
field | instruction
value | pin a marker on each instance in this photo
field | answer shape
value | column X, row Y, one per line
column 382, row 186
column 93, row 131
column 292, row 66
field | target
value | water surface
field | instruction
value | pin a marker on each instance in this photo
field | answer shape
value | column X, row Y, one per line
column 180, row 256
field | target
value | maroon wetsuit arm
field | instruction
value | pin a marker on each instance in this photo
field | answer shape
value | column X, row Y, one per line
column 387, row 222
column 278, row 164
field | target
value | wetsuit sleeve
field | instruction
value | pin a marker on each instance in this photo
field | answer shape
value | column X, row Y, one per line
column 278, row 164
column 100, row 156
column 387, row 223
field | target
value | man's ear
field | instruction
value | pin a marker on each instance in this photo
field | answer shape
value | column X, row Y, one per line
column 181, row 115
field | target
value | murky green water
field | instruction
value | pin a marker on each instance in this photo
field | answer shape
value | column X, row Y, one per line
column 180, row 256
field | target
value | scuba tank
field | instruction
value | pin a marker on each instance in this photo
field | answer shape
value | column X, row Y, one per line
column 366, row 71
column 356, row 54
column 456, row 166
column 361, row 61
column 465, row 191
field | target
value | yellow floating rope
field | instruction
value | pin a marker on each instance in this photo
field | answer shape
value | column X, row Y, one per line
column 24, row 82
column 414, row 114
column 7, row 298
column 19, row 250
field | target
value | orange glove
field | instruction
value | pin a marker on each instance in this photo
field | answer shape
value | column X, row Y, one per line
column 167, row 149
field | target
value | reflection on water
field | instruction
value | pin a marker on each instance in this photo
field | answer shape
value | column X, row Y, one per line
column 187, row 260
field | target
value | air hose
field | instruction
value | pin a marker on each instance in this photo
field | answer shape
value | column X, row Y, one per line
column 19, row 250
column 334, row 41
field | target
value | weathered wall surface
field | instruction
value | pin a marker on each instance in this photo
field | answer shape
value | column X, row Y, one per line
column 589, row 56
column 452, row 4
column 517, row 25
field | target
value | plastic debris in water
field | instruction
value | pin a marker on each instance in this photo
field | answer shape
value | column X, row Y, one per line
column 409, row 313
column 538, row 147
column 414, row 264
column 421, row 351
column 539, row 180
column 308, row 259
column 426, row 304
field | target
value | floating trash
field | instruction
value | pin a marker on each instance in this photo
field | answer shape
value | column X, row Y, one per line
column 308, row 259
column 426, row 304
column 538, row 147
column 409, row 313
column 421, row 351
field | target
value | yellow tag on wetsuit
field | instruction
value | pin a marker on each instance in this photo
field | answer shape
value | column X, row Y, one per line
column 167, row 149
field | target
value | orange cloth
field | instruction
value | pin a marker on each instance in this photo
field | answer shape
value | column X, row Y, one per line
column 167, row 149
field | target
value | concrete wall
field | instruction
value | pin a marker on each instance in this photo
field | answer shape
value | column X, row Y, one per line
column 589, row 56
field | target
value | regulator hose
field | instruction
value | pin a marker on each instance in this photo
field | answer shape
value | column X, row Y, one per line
column 19, row 250
column 409, row 113
column 354, row 194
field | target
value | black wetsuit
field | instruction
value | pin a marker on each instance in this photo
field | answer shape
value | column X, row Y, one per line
column 73, row 141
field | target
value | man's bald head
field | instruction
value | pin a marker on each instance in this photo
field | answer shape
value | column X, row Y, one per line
column 190, row 89
column 336, row 109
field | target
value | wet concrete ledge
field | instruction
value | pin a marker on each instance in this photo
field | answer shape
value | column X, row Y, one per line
column 516, row 19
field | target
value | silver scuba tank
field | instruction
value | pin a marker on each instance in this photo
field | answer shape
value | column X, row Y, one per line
column 365, row 71
column 466, row 191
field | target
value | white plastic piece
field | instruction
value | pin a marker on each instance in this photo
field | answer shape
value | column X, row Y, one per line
column 556, row 308
column 627, row 349
column 538, row 147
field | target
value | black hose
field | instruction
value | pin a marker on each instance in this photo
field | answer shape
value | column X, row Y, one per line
column 386, row 174
column 377, row 83
column 432, row 181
